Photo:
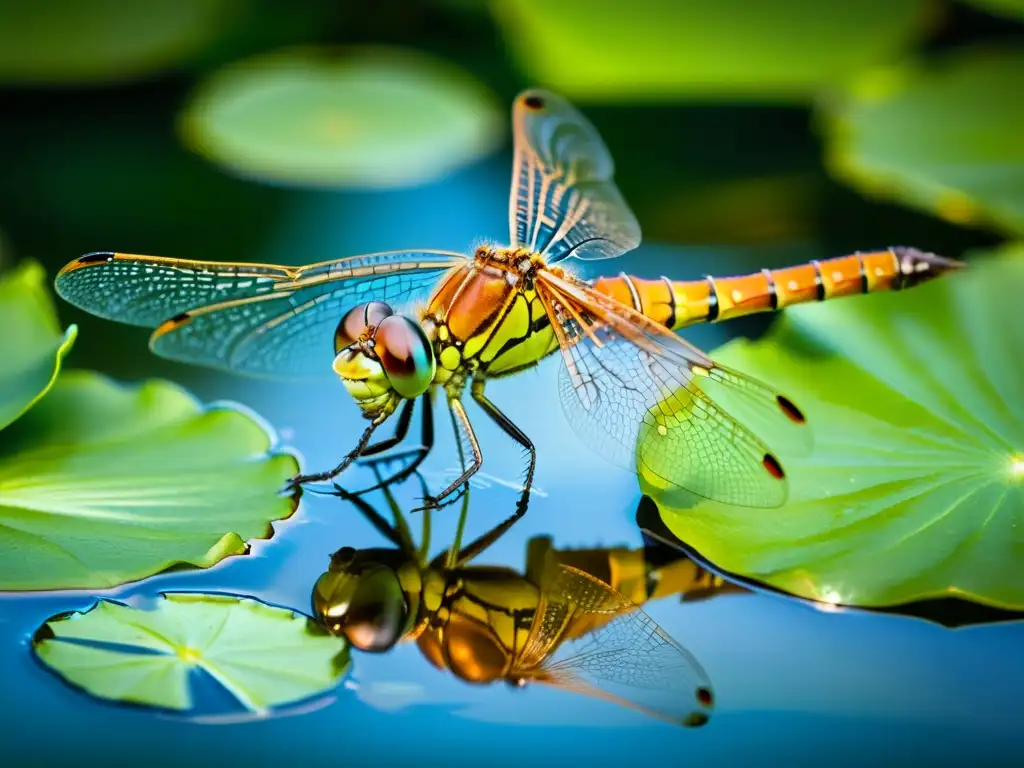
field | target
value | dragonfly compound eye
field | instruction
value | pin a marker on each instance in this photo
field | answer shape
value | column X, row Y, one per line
column 359, row 322
column 368, row 608
column 405, row 354
column 377, row 613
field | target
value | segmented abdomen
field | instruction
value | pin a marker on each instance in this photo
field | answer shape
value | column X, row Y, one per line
column 678, row 303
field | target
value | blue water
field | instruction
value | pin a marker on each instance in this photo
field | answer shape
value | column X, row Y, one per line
column 794, row 685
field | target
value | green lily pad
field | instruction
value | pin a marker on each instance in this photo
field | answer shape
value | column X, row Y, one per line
column 82, row 41
column 768, row 50
column 365, row 117
column 1013, row 9
column 915, row 486
column 32, row 344
column 102, row 484
column 261, row 655
column 944, row 138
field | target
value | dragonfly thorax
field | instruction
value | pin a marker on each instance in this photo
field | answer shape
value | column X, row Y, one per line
column 486, row 318
column 482, row 622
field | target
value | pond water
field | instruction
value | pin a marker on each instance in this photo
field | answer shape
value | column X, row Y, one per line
column 794, row 684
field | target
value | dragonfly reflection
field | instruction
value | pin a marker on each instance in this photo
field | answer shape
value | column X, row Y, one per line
column 571, row 619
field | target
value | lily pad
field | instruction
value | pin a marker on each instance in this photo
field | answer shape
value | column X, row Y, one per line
column 915, row 486
column 82, row 41
column 102, row 484
column 32, row 344
column 365, row 117
column 263, row 656
column 768, row 50
column 944, row 137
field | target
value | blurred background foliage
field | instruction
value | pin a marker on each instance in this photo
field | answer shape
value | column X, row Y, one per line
column 255, row 130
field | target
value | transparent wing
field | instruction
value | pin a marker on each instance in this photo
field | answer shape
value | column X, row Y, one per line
column 261, row 320
column 588, row 638
column 564, row 201
column 638, row 393
column 147, row 290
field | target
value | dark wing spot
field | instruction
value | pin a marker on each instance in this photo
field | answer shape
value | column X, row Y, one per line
column 534, row 102
column 792, row 412
column 98, row 257
column 773, row 466
column 705, row 697
column 174, row 322
column 695, row 719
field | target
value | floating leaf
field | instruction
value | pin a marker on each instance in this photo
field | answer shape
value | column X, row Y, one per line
column 79, row 41
column 102, row 484
column 1013, row 9
column 261, row 655
column 366, row 118
column 915, row 486
column 945, row 138
column 31, row 344
column 768, row 50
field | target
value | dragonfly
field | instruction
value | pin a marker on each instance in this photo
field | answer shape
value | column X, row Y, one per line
column 571, row 619
column 398, row 326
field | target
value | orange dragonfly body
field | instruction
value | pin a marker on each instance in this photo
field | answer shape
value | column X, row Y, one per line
column 572, row 619
column 633, row 389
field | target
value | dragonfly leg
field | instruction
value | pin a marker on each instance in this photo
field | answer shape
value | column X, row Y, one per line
column 418, row 453
column 464, row 434
column 352, row 455
column 503, row 421
column 476, row 547
column 401, row 430
column 398, row 534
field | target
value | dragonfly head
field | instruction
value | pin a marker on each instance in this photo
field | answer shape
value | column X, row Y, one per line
column 368, row 596
column 382, row 357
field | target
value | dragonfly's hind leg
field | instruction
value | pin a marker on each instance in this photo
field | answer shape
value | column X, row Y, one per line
column 503, row 421
column 418, row 454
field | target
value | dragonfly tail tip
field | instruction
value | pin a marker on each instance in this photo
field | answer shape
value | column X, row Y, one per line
column 917, row 266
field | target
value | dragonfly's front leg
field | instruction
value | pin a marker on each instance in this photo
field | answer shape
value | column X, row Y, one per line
column 418, row 453
column 352, row 455
column 463, row 433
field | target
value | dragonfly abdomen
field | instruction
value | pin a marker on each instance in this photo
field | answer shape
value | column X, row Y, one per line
column 679, row 303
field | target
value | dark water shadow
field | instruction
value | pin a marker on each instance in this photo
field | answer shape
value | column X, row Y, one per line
column 949, row 612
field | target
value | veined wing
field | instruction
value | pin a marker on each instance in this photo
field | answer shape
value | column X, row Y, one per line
column 564, row 201
column 638, row 393
column 256, row 319
column 588, row 638
column 147, row 290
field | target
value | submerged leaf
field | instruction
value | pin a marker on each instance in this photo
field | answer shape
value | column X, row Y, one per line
column 945, row 138
column 768, row 50
column 365, row 118
column 261, row 655
column 102, row 484
column 32, row 344
column 915, row 487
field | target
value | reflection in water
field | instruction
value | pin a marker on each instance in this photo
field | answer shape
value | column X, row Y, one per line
column 947, row 611
column 571, row 619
